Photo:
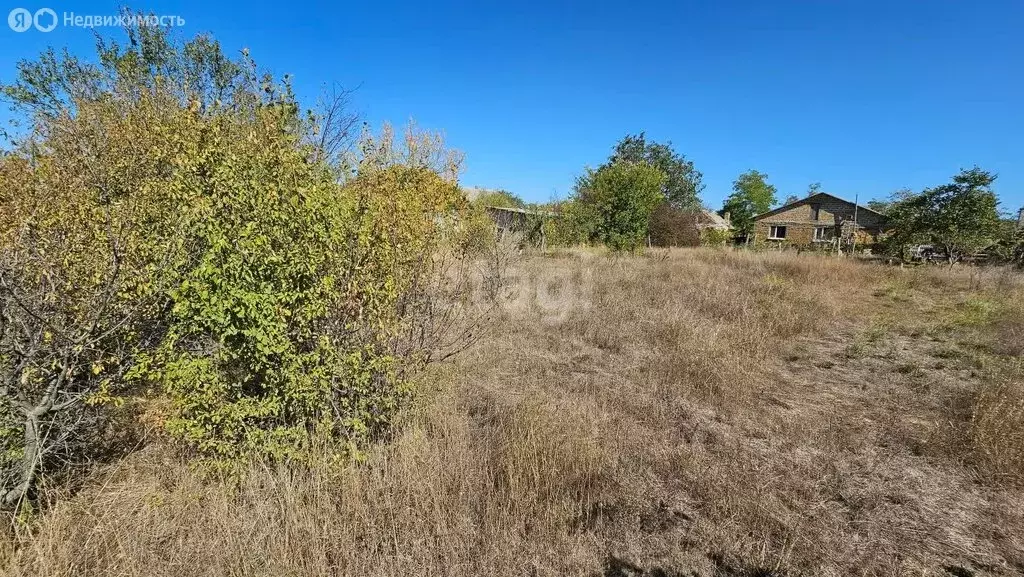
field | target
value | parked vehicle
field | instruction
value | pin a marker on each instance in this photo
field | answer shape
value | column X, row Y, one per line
column 928, row 253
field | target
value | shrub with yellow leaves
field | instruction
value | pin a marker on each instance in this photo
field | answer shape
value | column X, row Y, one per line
column 169, row 229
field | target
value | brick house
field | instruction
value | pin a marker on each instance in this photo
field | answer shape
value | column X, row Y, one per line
column 818, row 219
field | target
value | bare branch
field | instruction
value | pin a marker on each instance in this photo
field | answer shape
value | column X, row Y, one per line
column 334, row 124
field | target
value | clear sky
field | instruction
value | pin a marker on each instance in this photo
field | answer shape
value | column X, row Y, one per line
column 863, row 96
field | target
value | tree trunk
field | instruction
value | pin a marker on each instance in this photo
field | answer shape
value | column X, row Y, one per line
column 29, row 461
column 33, row 439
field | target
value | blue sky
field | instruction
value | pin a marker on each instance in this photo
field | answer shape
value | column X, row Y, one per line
column 863, row 96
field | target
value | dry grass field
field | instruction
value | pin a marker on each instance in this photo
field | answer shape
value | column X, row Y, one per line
column 684, row 413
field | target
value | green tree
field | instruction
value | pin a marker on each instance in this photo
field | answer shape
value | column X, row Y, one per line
column 878, row 205
column 683, row 183
column 499, row 198
column 614, row 203
column 960, row 217
column 1009, row 247
column 791, row 199
column 751, row 196
column 813, row 188
column 884, row 205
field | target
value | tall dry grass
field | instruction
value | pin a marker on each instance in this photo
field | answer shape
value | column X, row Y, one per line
column 997, row 426
column 690, row 412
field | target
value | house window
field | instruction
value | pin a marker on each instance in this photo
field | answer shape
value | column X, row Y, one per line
column 815, row 211
column 777, row 232
column 823, row 233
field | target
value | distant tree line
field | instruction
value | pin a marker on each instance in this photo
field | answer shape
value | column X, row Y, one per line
column 646, row 192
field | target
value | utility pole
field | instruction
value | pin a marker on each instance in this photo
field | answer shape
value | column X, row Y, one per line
column 856, row 205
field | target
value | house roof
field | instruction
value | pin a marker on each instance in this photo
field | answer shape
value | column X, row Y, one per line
column 816, row 196
column 522, row 210
column 715, row 220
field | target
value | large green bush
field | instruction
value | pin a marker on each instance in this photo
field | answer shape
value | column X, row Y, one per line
column 715, row 237
column 169, row 229
column 613, row 204
column 286, row 326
